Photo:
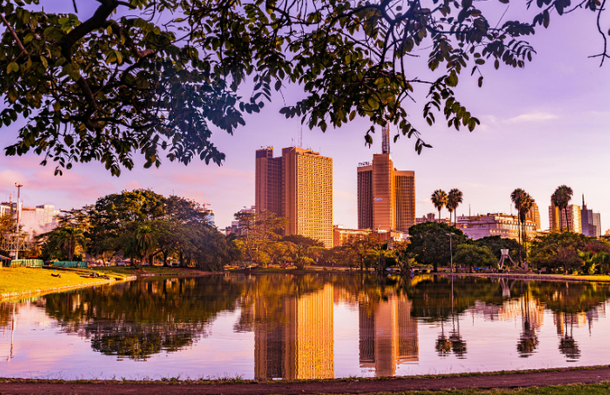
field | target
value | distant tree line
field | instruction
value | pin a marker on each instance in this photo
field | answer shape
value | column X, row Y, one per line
column 141, row 226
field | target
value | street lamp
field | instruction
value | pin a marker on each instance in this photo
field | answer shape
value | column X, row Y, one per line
column 450, row 249
column 18, row 218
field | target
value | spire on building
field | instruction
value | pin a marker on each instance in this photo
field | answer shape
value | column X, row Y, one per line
column 584, row 206
column 385, row 139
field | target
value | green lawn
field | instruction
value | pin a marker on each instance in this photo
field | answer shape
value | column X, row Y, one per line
column 21, row 279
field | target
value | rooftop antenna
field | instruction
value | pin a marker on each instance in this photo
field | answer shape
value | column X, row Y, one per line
column 385, row 139
column 469, row 210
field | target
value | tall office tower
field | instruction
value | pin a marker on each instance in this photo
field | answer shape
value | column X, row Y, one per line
column 590, row 221
column 558, row 221
column 298, row 186
column 386, row 196
column 294, row 339
column 534, row 215
column 388, row 335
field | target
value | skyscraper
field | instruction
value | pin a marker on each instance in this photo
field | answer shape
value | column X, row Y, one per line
column 590, row 221
column 386, row 196
column 298, row 186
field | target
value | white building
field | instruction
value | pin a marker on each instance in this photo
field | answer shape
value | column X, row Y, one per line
column 503, row 225
column 33, row 220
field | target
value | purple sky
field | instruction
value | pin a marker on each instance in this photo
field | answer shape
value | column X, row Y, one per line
column 541, row 127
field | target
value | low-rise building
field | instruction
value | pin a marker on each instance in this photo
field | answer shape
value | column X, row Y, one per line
column 235, row 227
column 343, row 235
column 503, row 225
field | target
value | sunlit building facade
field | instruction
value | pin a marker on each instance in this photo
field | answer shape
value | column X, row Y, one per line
column 386, row 196
column 534, row 215
column 503, row 225
column 298, row 186
column 558, row 220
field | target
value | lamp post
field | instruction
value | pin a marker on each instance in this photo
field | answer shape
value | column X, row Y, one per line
column 450, row 249
column 18, row 218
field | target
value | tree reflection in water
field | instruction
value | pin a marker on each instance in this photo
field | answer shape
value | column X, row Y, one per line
column 567, row 345
column 139, row 319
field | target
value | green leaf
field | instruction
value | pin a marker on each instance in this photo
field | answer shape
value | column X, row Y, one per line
column 44, row 62
column 12, row 67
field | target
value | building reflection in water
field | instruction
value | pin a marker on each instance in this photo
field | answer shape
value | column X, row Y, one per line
column 388, row 335
column 299, row 344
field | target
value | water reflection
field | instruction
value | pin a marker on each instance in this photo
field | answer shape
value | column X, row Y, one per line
column 139, row 319
column 323, row 326
column 295, row 340
column 387, row 335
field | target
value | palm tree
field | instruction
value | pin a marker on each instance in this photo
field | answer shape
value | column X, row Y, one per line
column 521, row 200
column 145, row 238
column 561, row 199
column 526, row 206
column 439, row 200
column 454, row 198
column 66, row 239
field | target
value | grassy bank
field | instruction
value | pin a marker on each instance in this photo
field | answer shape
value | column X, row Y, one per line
column 21, row 281
column 152, row 271
column 534, row 276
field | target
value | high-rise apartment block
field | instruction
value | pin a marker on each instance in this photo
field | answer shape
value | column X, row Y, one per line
column 590, row 221
column 386, row 196
column 558, row 220
column 298, row 186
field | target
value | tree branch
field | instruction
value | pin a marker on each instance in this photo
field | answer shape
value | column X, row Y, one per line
column 10, row 29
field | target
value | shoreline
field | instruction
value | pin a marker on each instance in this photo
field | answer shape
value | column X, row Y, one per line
column 517, row 276
column 10, row 296
column 464, row 381
column 76, row 275
column 533, row 276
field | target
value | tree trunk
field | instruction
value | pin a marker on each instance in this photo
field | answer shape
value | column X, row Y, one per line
column 567, row 222
column 520, row 239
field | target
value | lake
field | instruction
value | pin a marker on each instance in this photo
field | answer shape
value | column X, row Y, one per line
column 304, row 327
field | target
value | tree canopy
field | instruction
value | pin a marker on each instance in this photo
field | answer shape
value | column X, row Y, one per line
column 156, row 77
column 430, row 242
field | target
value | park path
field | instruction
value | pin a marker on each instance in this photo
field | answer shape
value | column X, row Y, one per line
column 352, row 386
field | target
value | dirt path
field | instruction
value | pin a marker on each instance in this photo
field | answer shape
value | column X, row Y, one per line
column 515, row 380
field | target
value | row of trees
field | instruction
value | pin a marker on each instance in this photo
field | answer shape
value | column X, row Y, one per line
column 555, row 251
column 142, row 226
column 262, row 242
column 449, row 200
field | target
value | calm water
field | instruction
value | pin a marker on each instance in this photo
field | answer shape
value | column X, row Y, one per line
column 291, row 327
